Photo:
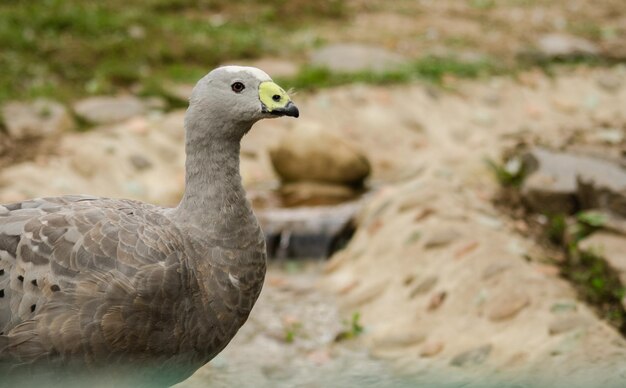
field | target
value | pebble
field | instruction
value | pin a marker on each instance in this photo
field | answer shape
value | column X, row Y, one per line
column 140, row 162
column 399, row 339
column 494, row 269
column 365, row 294
column 431, row 348
column 424, row 286
column 610, row 82
column 564, row 306
column 472, row 357
column 566, row 323
column 506, row 305
column 437, row 300
column 441, row 238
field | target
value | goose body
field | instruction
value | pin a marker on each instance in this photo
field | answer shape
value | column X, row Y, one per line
column 118, row 292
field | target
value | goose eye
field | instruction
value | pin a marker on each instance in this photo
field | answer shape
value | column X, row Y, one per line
column 238, row 87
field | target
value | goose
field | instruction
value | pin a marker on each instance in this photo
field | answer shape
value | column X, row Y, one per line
column 116, row 292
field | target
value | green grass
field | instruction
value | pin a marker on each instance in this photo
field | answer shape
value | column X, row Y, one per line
column 510, row 173
column 69, row 48
column 588, row 271
column 432, row 69
column 598, row 285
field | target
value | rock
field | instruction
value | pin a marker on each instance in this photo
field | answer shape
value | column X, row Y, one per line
column 611, row 247
column 311, row 232
column 561, row 182
column 38, row 119
column 506, row 305
column 315, row 193
column 313, row 154
column 355, row 58
column 441, row 238
column 436, row 300
column 431, row 348
column 140, row 162
column 494, row 269
column 107, row 110
column 558, row 45
column 566, row 323
column 398, row 338
column 424, row 286
column 364, row 294
column 472, row 357
column 564, row 307
column 609, row 136
column 610, row 82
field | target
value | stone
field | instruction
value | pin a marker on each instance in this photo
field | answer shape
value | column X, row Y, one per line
column 560, row 182
column 107, row 110
column 611, row 136
column 398, row 338
column 364, row 294
column 424, row 286
column 352, row 57
column 563, row 324
column 140, row 162
column 441, row 238
column 494, row 269
column 431, row 348
column 315, row 193
column 610, row 82
column 436, row 300
column 506, row 305
column 557, row 45
column 312, row 154
column 311, row 232
column 472, row 357
column 611, row 247
column 38, row 119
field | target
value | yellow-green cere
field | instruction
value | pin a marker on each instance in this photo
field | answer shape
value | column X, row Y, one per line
column 273, row 96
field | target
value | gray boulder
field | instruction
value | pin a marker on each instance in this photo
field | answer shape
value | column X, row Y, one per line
column 38, row 119
column 561, row 182
column 355, row 58
column 108, row 110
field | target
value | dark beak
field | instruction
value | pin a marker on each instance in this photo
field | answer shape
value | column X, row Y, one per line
column 289, row 110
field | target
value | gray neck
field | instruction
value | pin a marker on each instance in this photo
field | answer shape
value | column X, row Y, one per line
column 214, row 198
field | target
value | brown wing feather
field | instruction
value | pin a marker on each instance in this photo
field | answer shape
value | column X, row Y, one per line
column 100, row 256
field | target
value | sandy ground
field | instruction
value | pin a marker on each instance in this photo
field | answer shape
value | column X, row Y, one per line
column 447, row 289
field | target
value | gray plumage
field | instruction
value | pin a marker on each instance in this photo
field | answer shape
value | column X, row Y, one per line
column 110, row 291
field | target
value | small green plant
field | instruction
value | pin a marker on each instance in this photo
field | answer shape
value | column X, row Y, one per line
column 292, row 330
column 352, row 328
column 510, row 173
column 557, row 227
column 599, row 285
column 586, row 224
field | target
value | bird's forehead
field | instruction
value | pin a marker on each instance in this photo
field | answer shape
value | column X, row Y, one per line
column 252, row 71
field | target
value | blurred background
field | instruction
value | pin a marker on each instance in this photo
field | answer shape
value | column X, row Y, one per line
column 447, row 211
